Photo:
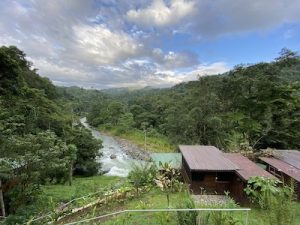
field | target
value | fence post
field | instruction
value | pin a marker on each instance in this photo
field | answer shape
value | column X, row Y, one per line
column 247, row 217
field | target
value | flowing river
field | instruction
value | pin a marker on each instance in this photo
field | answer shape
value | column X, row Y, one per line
column 113, row 160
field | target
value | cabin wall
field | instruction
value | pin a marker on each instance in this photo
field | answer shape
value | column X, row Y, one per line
column 186, row 173
column 286, row 179
column 214, row 183
column 237, row 190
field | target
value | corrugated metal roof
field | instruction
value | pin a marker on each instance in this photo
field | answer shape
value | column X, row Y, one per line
column 286, row 168
column 206, row 158
column 291, row 157
column 174, row 159
column 247, row 168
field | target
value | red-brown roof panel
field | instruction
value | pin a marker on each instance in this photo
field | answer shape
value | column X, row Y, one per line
column 291, row 157
column 283, row 166
column 206, row 158
column 247, row 168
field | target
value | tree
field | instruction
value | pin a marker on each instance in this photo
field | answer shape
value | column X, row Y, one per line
column 34, row 159
column 287, row 57
column 126, row 121
column 72, row 152
column 88, row 149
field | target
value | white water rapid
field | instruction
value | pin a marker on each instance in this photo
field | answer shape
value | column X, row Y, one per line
column 113, row 159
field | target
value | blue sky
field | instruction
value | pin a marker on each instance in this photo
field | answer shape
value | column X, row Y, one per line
column 111, row 43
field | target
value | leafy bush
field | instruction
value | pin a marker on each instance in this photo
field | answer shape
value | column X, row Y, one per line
column 168, row 180
column 142, row 175
column 188, row 217
column 282, row 211
column 262, row 190
column 277, row 200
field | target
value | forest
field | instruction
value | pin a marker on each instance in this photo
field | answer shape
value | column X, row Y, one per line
column 251, row 107
column 40, row 141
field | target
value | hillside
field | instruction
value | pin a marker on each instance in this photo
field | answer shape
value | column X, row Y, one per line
column 251, row 107
column 38, row 142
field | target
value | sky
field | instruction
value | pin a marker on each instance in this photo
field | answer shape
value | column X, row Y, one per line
column 116, row 43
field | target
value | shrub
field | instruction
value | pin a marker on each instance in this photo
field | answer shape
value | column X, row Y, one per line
column 142, row 175
column 262, row 190
column 278, row 200
column 188, row 217
column 282, row 211
column 168, row 179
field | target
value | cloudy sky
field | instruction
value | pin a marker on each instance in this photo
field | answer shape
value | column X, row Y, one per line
column 117, row 43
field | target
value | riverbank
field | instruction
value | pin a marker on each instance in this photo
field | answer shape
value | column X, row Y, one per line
column 136, row 139
column 132, row 149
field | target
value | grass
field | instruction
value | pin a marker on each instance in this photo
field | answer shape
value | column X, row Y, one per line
column 53, row 195
column 260, row 217
column 154, row 142
column 156, row 199
column 81, row 186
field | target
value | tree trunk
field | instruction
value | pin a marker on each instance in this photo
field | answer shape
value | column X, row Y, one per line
column 2, row 205
column 71, row 174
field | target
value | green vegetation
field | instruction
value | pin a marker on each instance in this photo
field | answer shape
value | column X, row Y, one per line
column 155, row 142
column 39, row 143
column 251, row 107
column 42, row 146
column 277, row 200
column 155, row 199
column 81, row 186
column 187, row 218
column 142, row 175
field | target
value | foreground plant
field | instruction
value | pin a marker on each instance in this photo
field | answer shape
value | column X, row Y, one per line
column 142, row 175
column 272, row 195
column 168, row 180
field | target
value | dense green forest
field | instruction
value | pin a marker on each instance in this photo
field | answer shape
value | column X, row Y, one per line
column 250, row 107
column 40, row 142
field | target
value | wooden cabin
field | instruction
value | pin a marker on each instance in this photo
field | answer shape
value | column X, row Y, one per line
column 209, row 170
column 285, row 165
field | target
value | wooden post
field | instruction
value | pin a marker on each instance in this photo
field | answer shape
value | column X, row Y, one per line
column 2, row 205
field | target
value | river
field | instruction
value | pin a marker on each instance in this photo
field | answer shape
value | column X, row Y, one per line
column 118, row 166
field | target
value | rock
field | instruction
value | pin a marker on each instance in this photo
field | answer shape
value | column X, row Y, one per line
column 113, row 156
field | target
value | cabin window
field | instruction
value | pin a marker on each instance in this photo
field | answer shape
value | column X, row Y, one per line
column 198, row 176
column 274, row 171
column 223, row 177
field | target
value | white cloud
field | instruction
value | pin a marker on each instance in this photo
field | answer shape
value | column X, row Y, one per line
column 205, row 70
column 160, row 14
column 119, row 43
column 100, row 45
column 59, row 72
column 173, row 60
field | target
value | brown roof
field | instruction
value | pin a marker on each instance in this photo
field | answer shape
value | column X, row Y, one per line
column 206, row 158
column 284, row 167
column 291, row 157
column 247, row 168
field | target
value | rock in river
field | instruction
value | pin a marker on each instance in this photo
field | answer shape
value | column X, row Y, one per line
column 113, row 156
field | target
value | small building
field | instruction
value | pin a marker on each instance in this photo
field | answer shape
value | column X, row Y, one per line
column 208, row 169
column 174, row 159
column 285, row 165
